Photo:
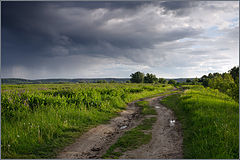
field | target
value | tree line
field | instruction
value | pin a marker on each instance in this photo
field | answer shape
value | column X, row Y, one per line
column 139, row 77
column 227, row 82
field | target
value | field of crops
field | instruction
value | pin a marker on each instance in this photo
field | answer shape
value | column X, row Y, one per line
column 210, row 123
column 36, row 120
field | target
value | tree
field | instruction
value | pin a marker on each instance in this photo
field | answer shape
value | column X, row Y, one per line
column 210, row 75
column 137, row 77
column 195, row 81
column 150, row 78
column 101, row 81
column 172, row 81
column 235, row 73
column 188, row 81
column 226, row 82
column 162, row 80
column 202, row 78
column 216, row 74
column 205, row 82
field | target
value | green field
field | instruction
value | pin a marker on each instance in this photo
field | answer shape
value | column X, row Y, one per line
column 37, row 120
column 210, row 123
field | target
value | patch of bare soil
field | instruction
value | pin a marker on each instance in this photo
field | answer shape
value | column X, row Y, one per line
column 166, row 137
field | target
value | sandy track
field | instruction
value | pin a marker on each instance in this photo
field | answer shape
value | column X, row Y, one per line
column 166, row 140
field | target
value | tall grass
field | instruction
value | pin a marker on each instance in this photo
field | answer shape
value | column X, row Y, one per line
column 37, row 120
column 210, row 123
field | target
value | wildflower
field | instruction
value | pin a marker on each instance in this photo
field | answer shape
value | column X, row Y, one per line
column 18, row 136
column 9, row 145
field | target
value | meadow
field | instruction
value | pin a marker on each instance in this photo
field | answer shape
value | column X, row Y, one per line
column 210, row 122
column 38, row 120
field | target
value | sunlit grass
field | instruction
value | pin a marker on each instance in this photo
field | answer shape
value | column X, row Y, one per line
column 210, row 121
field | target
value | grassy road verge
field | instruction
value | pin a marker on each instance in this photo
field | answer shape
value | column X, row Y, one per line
column 210, row 123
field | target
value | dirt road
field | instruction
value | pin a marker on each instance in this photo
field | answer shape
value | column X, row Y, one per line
column 166, row 136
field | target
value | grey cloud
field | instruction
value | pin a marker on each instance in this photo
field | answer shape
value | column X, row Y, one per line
column 176, row 5
column 179, row 8
column 45, row 36
column 70, row 27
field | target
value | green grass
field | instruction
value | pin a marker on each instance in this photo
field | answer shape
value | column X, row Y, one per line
column 210, row 123
column 130, row 140
column 165, row 93
column 135, row 137
column 147, row 124
column 146, row 109
column 38, row 120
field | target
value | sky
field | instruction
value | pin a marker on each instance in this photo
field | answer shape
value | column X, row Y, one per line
column 114, row 39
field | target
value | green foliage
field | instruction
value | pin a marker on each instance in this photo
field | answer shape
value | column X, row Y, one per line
column 172, row 81
column 137, row 77
column 162, row 80
column 195, row 81
column 147, row 123
column 129, row 141
column 101, row 81
column 146, row 109
column 150, row 78
column 210, row 122
column 38, row 119
column 227, row 82
column 188, row 80
column 235, row 74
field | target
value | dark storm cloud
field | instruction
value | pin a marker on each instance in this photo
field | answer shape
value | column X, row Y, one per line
column 49, row 29
column 179, row 8
column 106, row 4
column 49, row 34
column 174, row 5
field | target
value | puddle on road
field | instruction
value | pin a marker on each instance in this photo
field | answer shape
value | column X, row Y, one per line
column 172, row 122
column 123, row 127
